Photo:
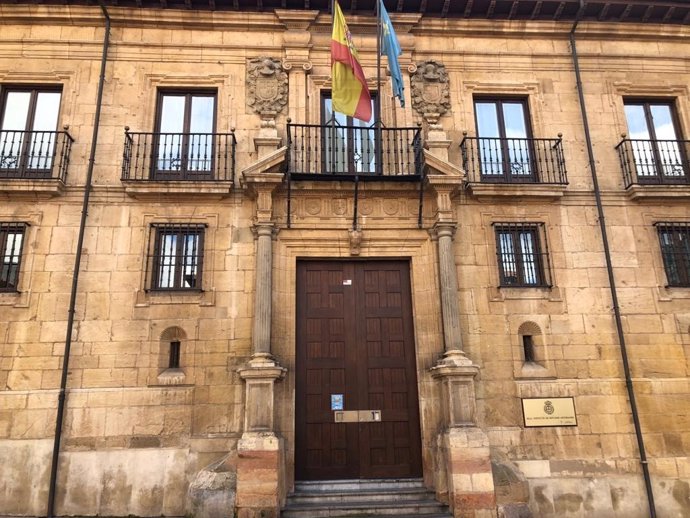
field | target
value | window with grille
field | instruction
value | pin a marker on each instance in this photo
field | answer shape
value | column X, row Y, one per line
column 675, row 251
column 11, row 241
column 522, row 254
column 176, row 258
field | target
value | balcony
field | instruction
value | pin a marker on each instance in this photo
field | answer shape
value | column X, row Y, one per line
column 335, row 152
column 35, row 162
column 178, row 163
column 655, row 168
column 514, row 166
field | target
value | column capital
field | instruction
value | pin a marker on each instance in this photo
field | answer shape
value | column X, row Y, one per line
column 444, row 229
column 260, row 186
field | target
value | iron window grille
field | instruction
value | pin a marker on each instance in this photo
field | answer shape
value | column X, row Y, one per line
column 523, row 255
column 674, row 239
column 11, row 244
column 175, row 261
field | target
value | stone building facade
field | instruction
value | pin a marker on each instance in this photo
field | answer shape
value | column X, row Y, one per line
column 217, row 253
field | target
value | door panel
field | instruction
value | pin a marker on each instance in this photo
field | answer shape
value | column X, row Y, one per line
column 355, row 338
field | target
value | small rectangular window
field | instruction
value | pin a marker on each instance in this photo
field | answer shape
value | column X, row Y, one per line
column 675, row 251
column 522, row 261
column 528, row 348
column 174, row 360
column 11, row 244
column 176, row 259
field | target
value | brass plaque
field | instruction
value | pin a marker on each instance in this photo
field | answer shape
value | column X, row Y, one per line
column 555, row 411
column 357, row 416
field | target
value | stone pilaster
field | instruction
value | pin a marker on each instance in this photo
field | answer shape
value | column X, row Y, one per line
column 297, row 47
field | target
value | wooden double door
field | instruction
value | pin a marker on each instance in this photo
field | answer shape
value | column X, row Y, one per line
column 355, row 352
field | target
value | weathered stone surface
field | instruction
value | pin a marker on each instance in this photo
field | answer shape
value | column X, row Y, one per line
column 212, row 492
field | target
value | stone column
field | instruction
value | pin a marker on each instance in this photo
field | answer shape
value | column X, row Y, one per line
column 260, row 451
column 262, row 296
column 465, row 480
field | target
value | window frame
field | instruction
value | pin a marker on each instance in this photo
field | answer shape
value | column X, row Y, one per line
column 506, row 175
column 659, row 176
column 6, row 228
column 22, row 169
column 155, row 256
column 681, row 258
column 183, row 173
column 540, row 255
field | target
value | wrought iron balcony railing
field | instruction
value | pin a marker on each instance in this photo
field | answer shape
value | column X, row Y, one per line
column 514, row 160
column 654, row 162
column 34, row 155
column 335, row 151
column 179, row 156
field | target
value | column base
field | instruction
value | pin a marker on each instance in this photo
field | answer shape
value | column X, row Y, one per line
column 259, row 475
column 468, row 472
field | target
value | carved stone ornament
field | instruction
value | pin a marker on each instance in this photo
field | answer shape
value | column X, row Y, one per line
column 267, row 86
column 430, row 91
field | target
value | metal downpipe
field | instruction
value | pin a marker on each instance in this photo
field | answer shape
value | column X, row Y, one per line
column 62, row 396
column 609, row 269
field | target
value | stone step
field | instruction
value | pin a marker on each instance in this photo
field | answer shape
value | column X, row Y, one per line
column 389, row 484
column 402, row 498
column 423, row 508
column 362, row 495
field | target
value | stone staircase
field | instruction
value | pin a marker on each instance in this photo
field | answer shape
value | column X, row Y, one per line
column 402, row 498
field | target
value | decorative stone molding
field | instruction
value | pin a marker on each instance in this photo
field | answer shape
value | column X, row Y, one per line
column 430, row 90
column 267, row 87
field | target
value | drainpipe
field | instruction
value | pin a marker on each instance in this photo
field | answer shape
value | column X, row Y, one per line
column 609, row 269
column 75, row 276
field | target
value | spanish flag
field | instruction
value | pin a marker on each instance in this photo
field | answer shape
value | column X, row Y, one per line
column 350, row 93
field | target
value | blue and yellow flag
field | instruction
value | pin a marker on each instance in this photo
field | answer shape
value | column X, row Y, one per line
column 391, row 48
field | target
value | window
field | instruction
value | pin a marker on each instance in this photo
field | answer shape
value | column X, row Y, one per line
column 528, row 348
column 505, row 152
column 675, row 251
column 174, row 360
column 348, row 144
column 521, row 261
column 185, row 126
column 653, row 132
column 11, row 241
column 177, row 257
column 28, row 131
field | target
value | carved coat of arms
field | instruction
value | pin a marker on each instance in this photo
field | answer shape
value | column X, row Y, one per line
column 430, row 90
column 267, row 86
